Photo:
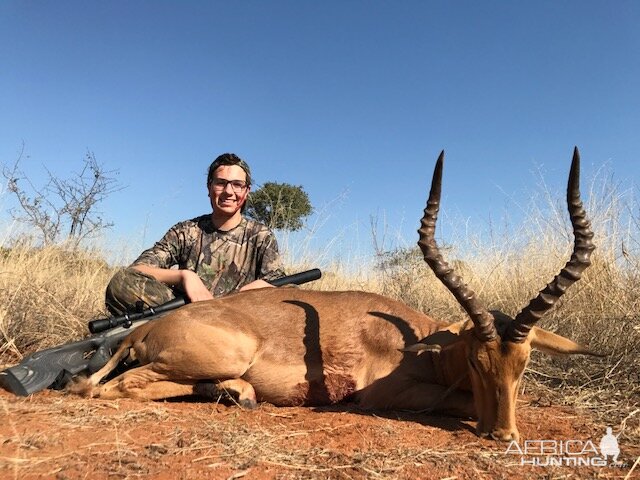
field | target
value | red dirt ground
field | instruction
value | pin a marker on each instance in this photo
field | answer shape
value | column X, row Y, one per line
column 50, row 435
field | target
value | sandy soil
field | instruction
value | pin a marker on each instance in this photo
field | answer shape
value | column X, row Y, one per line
column 50, row 435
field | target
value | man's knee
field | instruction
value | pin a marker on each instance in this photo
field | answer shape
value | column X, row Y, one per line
column 130, row 286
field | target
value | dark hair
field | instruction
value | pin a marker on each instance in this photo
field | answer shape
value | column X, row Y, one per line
column 228, row 159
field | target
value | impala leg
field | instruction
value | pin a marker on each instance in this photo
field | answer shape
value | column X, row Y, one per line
column 241, row 390
column 143, row 383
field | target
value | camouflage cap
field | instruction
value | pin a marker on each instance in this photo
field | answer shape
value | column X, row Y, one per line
column 228, row 159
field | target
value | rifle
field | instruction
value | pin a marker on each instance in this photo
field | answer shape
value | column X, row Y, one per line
column 55, row 367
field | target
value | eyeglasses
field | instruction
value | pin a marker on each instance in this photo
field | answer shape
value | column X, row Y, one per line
column 220, row 184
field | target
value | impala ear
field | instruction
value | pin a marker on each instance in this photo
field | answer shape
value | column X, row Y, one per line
column 435, row 342
column 554, row 344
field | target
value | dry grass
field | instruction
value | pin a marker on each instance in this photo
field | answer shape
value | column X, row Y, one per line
column 47, row 295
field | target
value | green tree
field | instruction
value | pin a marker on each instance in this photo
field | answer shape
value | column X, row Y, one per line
column 280, row 206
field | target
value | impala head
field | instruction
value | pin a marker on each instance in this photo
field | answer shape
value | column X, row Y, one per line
column 497, row 346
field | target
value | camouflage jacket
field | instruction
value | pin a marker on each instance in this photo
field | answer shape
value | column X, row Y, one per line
column 225, row 261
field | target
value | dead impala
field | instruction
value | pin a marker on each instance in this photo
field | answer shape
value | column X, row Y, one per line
column 291, row 347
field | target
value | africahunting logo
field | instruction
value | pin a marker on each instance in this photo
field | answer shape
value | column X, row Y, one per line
column 573, row 453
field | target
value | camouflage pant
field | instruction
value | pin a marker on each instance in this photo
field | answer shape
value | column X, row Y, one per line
column 129, row 286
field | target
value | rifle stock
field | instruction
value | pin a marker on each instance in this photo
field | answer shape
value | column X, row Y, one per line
column 54, row 367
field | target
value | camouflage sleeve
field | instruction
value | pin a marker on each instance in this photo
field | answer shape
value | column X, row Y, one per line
column 165, row 253
column 269, row 262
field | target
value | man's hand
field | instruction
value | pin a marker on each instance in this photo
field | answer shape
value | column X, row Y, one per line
column 256, row 284
column 193, row 287
column 188, row 280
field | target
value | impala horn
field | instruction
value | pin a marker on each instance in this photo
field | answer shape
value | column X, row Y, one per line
column 483, row 320
column 572, row 271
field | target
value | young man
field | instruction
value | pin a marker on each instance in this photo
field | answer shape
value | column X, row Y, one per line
column 215, row 253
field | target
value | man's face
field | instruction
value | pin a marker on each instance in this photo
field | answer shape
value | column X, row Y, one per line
column 225, row 192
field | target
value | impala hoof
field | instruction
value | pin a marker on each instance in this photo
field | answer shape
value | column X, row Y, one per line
column 505, row 435
column 248, row 403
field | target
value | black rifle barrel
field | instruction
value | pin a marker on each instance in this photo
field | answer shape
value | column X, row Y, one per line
column 97, row 326
column 297, row 278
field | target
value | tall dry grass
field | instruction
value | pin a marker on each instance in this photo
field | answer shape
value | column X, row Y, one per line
column 47, row 295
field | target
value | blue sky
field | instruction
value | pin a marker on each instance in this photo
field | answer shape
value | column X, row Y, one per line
column 352, row 100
